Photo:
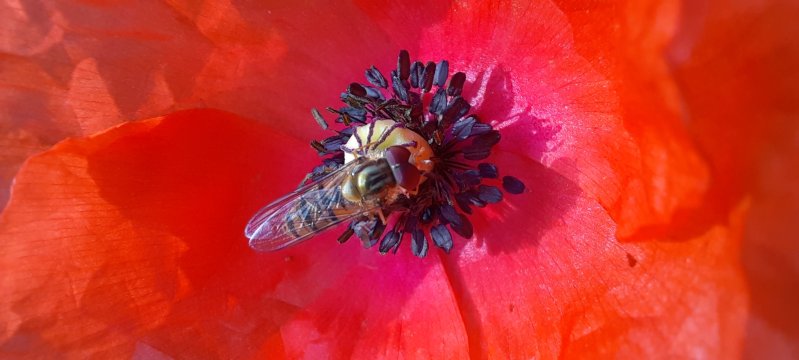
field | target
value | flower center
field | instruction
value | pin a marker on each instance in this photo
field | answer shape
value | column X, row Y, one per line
column 425, row 114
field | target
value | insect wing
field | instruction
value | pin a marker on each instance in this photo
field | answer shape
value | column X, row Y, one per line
column 304, row 213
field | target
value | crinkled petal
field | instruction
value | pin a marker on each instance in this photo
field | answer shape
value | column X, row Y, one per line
column 736, row 63
column 130, row 243
column 149, row 257
column 73, row 68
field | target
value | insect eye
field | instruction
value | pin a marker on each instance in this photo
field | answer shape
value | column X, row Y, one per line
column 397, row 155
column 404, row 173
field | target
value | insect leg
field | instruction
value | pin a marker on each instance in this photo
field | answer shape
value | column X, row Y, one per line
column 381, row 216
column 385, row 135
column 371, row 131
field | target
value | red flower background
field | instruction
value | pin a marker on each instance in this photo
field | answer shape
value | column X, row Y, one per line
column 658, row 142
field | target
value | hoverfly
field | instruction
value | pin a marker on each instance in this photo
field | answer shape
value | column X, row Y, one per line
column 374, row 176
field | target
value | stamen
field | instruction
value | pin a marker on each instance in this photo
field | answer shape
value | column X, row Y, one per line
column 442, row 237
column 376, row 78
column 442, row 72
column 319, row 119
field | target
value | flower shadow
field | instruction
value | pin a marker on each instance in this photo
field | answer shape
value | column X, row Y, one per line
column 519, row 220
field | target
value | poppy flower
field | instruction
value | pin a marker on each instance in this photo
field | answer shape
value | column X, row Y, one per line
column 127, row 240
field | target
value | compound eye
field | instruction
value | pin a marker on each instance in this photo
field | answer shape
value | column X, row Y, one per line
column 397, row 155
column 405, row 174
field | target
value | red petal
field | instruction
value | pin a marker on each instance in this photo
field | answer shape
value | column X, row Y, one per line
column 736, row 63
column 211, row 295
column 107, row 235
column 135, row 60
column 130, row 242
column 616, row 132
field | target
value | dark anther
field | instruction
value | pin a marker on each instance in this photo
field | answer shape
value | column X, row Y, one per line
column 480, row 129
column 463, row 128
column 374, row 93
column 363, row 229
column 442, row 71
column 474, row 198
column 481, row 145
column 355, row 114
column 512, row 185
column 376, row 78
column 357, row 90
column 448, row 214
column 454, row 111
column 489, row 194
column 427, row 215
column 426, row 81
column 439, row 102
column 463, row 203
column 441, row 237
column 470, row 178
column 333, row 143
column 389, row 241
column 404, row 65
column 416, row 73
column 318, row 147
column 456, row 84
column 345, row 236
column 375, row 235
column 488, row 139
column 488, row 170
column 463, row 227
column 399, row 88
column 319, row 119
column 418, row 243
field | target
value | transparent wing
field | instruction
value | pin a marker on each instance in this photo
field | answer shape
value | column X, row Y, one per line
column 305, row 212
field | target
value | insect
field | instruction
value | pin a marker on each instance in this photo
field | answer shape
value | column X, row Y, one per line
column 378, row 172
